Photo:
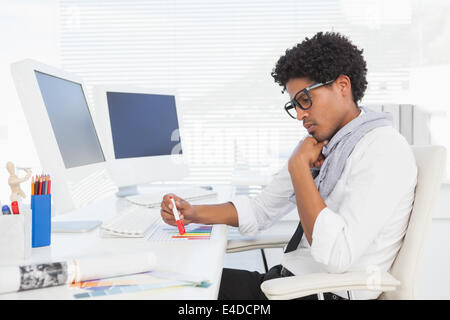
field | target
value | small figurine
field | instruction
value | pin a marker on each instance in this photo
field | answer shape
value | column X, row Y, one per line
column 14, row 182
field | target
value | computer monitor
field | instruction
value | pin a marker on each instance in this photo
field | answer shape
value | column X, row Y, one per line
column 140, row 134
column 58, row 115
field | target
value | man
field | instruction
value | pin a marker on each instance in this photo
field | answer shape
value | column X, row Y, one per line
column 352, row 180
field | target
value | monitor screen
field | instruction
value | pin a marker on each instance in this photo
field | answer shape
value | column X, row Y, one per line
column 143, row 125
column 71, row 120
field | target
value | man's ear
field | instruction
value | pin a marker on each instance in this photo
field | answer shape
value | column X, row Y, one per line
column 344, row 85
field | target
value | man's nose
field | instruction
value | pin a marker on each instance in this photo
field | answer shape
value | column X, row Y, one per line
column 301, row 114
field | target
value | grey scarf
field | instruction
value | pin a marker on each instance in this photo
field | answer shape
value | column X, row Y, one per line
column 341, row 146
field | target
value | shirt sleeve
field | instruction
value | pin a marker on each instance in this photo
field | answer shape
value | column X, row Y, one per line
column 379, row 180
column 259, row 213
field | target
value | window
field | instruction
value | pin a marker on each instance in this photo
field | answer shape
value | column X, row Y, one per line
column 218, row 55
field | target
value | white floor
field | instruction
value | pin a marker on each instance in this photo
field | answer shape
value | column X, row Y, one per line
column 434, row 274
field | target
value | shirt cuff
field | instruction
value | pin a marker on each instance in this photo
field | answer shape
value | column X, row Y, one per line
column 327, row 227
column 247, row 220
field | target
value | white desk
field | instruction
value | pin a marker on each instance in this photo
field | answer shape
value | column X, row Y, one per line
column 197, row 258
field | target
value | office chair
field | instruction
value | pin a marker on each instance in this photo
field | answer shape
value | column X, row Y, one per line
column 400, row 281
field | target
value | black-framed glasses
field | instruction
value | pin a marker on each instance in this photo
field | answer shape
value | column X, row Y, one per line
column 302, row 99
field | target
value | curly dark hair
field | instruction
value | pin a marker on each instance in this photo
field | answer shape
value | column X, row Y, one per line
column 323, row 58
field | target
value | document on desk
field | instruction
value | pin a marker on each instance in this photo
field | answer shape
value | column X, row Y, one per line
column 72, row 270
column 165, row 233
column 133, row 284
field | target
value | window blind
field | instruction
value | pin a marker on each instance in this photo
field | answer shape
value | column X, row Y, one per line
column 218, row 55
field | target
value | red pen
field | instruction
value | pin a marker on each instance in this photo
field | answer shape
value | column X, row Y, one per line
column 15, row 207
column 177, row 217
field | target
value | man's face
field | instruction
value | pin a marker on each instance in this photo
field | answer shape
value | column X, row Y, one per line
column 326, row 116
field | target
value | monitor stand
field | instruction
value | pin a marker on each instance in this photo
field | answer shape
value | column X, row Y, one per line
column 127, row 191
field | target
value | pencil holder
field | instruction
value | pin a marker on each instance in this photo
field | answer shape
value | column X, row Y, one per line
column 41, row 220
column 15, row 236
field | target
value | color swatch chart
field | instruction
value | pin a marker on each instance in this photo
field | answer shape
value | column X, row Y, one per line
column 169, row 233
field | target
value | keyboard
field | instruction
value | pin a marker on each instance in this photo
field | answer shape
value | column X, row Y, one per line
column 154, row 199
column 133, row 222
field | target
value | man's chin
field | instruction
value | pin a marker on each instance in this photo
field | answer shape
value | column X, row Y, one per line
column 316, row 136
column 319, row 137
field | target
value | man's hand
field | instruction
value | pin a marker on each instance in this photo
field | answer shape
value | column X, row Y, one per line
column 187, row 212
column 309, row 153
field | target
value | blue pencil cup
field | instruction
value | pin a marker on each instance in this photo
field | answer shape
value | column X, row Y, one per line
column 41, row 220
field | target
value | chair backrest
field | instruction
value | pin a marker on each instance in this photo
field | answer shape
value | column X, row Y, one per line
column 430, row 164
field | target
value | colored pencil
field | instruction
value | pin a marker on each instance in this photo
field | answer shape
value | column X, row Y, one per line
column 49, row 184
column 36, row 185
column 40, row 186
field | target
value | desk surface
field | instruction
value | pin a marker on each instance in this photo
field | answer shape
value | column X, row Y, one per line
column 196, row 258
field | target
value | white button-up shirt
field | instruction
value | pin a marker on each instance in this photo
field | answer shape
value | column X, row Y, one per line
column 366, row 217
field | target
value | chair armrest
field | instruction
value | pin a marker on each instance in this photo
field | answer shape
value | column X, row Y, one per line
column 277, row 236
column 300, row 286
column 244, row 245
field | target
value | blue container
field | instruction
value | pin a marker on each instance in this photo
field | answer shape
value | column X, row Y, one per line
column 41, row 226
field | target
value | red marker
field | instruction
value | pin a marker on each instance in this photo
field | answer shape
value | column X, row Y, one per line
column 15, row 207
column 177, row 217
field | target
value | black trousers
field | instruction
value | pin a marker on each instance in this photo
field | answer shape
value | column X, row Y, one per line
column 246, row 285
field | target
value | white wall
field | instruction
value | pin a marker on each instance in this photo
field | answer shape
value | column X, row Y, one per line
column 28, row 29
